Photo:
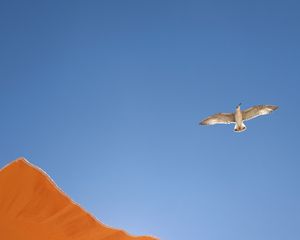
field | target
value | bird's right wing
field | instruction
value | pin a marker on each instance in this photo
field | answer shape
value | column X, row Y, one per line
column 258, row 110
column 219, row 118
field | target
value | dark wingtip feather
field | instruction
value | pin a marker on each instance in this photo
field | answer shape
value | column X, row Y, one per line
column 274, row 107
column 203, row 122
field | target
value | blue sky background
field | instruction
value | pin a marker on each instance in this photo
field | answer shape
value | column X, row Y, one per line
column 106, row 97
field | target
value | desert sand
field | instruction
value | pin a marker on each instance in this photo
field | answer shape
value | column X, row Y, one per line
column 32, row 207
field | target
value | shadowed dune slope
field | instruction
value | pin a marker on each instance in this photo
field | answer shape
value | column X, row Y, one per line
column 32, row 207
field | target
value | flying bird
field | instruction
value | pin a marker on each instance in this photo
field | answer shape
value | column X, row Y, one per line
column 239, row 116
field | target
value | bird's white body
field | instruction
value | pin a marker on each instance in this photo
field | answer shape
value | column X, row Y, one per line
column 239, row 122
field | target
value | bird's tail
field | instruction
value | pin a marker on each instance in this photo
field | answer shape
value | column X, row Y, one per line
column 240, row 128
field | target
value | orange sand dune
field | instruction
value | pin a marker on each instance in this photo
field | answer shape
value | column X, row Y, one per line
column 32, row 207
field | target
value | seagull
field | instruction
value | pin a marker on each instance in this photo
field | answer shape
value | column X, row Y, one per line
column 239, row 116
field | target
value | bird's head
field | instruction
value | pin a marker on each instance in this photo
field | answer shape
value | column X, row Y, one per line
column 238, row 106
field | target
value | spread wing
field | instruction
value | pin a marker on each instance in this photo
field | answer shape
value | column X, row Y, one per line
column 219, row 118
column 258, row 110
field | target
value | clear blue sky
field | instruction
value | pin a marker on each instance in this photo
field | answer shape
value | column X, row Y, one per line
column 106, row 97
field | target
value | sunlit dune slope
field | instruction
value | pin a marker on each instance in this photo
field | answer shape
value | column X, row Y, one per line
column 32, row 207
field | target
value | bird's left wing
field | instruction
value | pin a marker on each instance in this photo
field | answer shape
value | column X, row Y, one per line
column 258, row 110
column 219, row 118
